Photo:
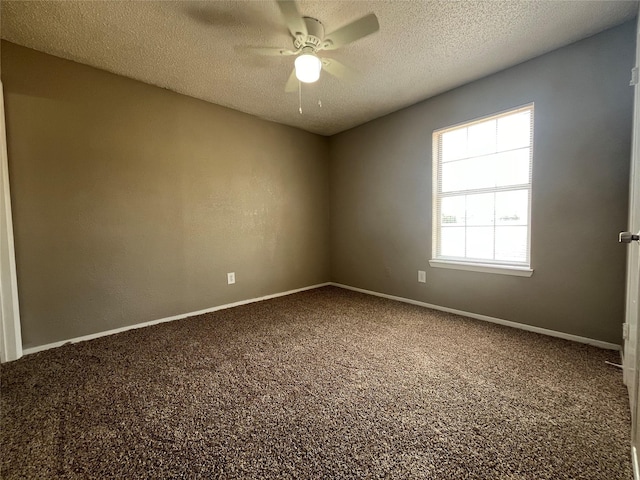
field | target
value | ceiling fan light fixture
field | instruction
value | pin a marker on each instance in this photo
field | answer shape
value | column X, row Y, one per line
column 308, row 68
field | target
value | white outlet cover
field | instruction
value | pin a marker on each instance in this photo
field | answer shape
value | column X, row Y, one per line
column 422, row 276
column 231, row 278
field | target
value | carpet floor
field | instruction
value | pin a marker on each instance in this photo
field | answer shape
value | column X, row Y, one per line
column 326, row 383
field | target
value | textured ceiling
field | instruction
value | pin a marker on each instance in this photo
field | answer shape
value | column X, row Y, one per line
column 199, row 48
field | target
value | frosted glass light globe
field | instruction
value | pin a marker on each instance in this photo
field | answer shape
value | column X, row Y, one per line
column 308, row 68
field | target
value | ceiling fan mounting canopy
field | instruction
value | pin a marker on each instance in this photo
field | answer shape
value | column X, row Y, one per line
column 313, row 37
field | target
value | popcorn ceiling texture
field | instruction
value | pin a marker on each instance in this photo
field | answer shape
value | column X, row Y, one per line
column 198, row 48
column 323, row 384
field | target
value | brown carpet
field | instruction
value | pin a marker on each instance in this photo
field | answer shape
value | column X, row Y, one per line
column 323, row 384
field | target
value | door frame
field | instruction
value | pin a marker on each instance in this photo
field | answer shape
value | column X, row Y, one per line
column 631, row 351
column 10, row 332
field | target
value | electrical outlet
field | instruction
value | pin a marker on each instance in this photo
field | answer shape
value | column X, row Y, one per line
column 422, row 276
column 231, row 278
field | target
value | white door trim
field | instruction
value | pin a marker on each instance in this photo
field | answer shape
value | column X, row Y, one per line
column 10, row 333
column 631, row 359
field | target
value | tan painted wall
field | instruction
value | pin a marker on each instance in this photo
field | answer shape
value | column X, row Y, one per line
column 131, row 203
column 381, row 193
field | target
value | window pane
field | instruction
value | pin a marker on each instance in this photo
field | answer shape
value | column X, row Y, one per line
column 452, row 242
column 454, row 144
column 512, row 168
column 452, row 211
column 511, row 244
column 514, row 131
column 480, row 209
column 478, row 172
column 482, row 138
column 454, row 176
column 480, row 243
column 512, row 208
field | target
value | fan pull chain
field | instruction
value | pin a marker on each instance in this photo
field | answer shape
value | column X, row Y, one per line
column 300, row 98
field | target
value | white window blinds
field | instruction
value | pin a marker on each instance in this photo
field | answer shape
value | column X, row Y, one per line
column 482, row 190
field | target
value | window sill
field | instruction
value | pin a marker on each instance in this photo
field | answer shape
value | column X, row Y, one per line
column 483, row 267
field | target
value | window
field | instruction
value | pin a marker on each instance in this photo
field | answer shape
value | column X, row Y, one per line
column 482, row 193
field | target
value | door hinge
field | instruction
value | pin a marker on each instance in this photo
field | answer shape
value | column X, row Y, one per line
column 625, row 331
column 634, row 76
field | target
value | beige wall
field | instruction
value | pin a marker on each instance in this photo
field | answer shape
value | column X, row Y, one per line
column 381, row 193
column 131, row 203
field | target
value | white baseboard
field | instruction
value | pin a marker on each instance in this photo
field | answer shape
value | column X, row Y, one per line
column 486, row 318
column 634, row 460
column 40, row 348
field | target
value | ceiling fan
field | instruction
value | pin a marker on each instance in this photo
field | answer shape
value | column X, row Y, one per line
column 309, row 39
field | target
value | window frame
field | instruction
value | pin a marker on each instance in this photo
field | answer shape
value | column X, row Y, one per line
column 473, row 264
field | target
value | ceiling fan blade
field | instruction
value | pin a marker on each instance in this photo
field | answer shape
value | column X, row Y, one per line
column 292, row 83
column 292, row 18
column 352, row 32
column 271, row 52
column 337, row 69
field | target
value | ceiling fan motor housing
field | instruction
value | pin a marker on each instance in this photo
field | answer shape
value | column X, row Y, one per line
column 314, row 37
